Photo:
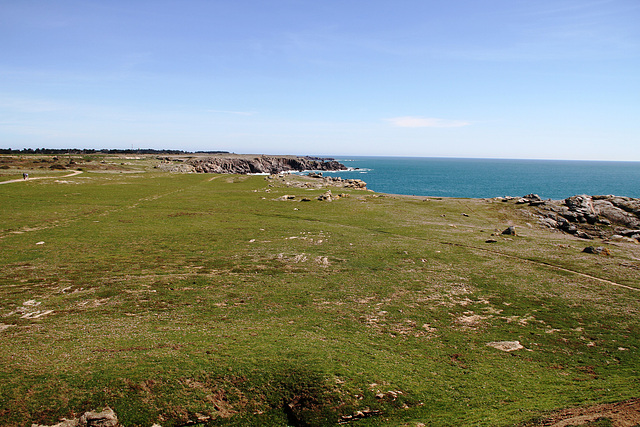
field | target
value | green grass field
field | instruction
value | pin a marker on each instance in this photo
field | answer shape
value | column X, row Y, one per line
column 195, row 298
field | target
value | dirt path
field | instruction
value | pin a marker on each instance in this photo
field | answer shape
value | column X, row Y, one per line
column 621, row 414
column 544, row 264
column 74, row 173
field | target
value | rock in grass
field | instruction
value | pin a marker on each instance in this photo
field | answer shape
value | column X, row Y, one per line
column 327, row 197
column 511, row 231
column 599, row 250
column 506, row 345
column 106, row 418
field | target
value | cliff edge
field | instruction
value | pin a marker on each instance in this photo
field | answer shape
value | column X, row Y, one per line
column 249, row 164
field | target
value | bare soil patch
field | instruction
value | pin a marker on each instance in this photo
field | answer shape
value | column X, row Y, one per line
column 620, row 414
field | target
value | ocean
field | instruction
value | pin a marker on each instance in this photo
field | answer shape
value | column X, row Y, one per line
column 483, row 178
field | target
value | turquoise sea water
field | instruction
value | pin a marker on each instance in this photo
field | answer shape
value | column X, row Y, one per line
column 453, row 177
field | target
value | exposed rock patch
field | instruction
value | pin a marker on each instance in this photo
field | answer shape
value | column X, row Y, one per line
column 171, row 166
column 318, row 181
column 607, row 217
column 340, row 182
column 106, row 418
column 599, row 250
column 506, row 345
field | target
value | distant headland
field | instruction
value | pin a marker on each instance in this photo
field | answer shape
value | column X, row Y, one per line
column 247, row 164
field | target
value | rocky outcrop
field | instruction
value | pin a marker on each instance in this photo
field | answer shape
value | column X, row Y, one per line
column 261, row 164
column 318, row 181
column 358, row 184
column 618, row 210
column 589, row 216
column 105, row 418
column 168, row 165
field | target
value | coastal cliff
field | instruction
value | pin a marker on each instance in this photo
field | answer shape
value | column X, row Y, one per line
column 250, row 164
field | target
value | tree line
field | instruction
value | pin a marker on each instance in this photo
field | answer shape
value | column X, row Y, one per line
column 100, row 151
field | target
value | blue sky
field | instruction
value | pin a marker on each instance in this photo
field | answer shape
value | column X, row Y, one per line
column 549, row 79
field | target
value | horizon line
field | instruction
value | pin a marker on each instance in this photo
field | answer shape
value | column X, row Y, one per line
column 220, row 151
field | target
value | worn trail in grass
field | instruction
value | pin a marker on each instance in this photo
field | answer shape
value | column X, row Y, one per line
column 178, row 298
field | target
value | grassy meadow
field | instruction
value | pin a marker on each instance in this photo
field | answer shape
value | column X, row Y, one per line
column 202, row 299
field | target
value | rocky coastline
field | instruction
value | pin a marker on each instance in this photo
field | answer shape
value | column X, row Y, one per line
column 603, row 216
column 249, row 164
column 606, row 217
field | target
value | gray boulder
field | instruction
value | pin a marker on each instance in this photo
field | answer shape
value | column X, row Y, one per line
column 580, row 209
column 106, row 418
column 549, row 222
column 533, row 197
column 581, row 234
column 614, row 214
column 326, row 197
column 510, row 231
column 599, row 250
column 582, row 204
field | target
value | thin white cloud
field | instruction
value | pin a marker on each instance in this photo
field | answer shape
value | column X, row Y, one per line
column 425, row 122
